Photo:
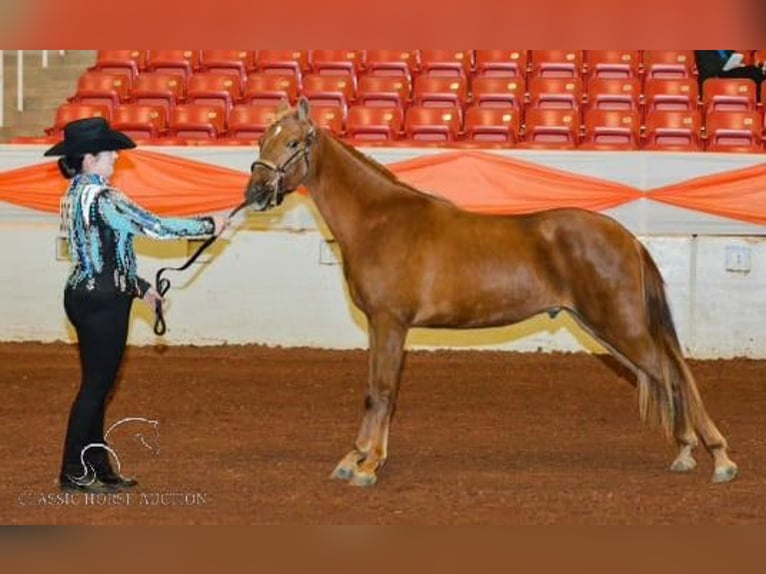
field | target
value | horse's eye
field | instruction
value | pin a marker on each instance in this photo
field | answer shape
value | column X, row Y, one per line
column 293, row 144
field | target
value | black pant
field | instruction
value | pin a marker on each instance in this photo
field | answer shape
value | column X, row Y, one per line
column 101, row 321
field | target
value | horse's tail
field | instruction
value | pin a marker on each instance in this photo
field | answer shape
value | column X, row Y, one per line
column 664, row 401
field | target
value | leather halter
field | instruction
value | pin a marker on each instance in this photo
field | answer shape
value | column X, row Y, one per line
column 280, row 171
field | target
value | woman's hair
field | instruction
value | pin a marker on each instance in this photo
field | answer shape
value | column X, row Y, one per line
column 70, row 166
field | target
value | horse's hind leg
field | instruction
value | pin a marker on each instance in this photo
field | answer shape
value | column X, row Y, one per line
column 647, row 357
column 724, row 468
column 683, row 430
column 656, row 364
column 684, row 433
column 691, row 417
column 370, row 451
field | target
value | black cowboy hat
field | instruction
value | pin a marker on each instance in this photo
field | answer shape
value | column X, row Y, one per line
column 90, row 135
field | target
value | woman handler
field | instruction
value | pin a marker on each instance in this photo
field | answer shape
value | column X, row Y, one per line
column 101, row 223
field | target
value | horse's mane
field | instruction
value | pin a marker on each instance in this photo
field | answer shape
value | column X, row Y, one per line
column 383, row 170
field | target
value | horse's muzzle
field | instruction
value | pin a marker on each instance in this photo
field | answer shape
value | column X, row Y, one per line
column 263, row 198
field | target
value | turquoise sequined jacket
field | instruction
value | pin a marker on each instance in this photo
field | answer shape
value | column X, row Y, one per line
column 101, row 223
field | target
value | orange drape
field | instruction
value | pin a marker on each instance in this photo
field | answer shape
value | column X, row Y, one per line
column 485, row 182
column 739, row 194
column 165, row 184
column 490, row 183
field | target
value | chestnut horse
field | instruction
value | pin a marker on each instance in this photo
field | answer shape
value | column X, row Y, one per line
column 414, row 260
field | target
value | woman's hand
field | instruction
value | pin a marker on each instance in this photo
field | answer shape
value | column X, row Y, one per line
column 221, row 223
column 152, row 298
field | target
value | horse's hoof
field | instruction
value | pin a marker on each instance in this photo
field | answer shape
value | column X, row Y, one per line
column 725, row 474
column 683, row 464
column 363, row 479
column 348, row 465
column 342, row 472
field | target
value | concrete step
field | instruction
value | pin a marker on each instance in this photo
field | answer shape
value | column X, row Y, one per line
column 45, row 89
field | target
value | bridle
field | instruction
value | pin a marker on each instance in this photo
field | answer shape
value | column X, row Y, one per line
column 280, row 171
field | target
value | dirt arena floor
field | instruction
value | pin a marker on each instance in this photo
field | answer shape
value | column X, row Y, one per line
column 249, row 435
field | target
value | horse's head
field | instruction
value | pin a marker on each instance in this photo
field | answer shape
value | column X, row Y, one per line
column 284, row 158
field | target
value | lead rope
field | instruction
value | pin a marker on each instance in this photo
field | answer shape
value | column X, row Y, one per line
column 162, row 285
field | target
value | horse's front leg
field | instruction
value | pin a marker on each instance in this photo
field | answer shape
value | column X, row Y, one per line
column 370, row 451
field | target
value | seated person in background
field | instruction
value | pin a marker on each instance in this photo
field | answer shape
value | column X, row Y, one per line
column 726, row 64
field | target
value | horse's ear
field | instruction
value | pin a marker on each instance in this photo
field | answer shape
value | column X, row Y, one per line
column 284, row 106
column 303, row 108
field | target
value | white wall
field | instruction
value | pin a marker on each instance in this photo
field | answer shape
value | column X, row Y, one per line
column 274, row 281
column 285, row 288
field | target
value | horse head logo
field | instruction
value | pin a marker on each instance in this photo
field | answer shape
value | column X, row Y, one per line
column 146, row 432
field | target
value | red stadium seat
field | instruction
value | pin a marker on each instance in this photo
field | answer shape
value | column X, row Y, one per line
column 184, row 62
column 131, row 62
column 295, row 62
column 611, row 130
column 374, row 123
column 501, row 63
column 452, row 63
column 325, row 90
column 671, row 94
column 673, row 130
column 248, row 122
column 734, row 131
column 614, row 93
column 214, row 88
column 383, row 91
column 333, row 62
column 556, row 63
column 555, row 92
column 392, row 63
column 332, row 118
column 438, row 91
column 669, row 64
column 71, row 111
column 107, row 88
column 612, row 63
column 197, row 122
column 551, row 128
column 424, row 124
column 729, row 94
column 492, row 125
column 159, row 88
column 271, row 88
column 499, row 92
column 236, row 62
column 140, row 121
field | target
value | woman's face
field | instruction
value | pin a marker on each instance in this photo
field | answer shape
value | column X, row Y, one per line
column 101, row 163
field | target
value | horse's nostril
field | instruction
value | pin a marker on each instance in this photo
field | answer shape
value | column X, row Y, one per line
column 254, row 191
